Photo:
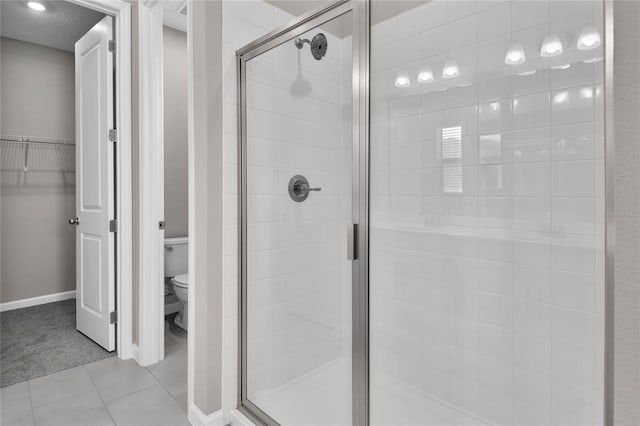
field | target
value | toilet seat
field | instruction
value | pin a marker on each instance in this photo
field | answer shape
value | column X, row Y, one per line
column 181, row 280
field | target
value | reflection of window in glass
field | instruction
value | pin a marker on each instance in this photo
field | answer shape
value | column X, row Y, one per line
column 452, row 179
column 451, row 142
column 452, row 155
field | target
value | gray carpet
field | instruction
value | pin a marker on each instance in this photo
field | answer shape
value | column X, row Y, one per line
column 41, row 340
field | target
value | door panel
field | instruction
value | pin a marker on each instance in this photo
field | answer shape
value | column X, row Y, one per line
column 487, row 214
column 95, row 286
column 91, row 157
column 299, row 277
column 90, row 256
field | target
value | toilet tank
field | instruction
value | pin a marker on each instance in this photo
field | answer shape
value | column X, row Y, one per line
column 175, row 256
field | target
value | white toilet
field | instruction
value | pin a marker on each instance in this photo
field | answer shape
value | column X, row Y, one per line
column 181, row 290
column 175, row 268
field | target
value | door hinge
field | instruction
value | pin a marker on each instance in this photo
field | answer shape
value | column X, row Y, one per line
column 112, row 45
column 113, row 135
column 113, row 225
column 113, row 317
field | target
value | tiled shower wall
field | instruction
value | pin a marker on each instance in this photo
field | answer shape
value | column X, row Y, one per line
column 296, row 126
column 299, row 122
column 242, row 22
column 487, row 211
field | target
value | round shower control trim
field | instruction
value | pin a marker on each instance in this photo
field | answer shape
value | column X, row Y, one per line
column 299, row 188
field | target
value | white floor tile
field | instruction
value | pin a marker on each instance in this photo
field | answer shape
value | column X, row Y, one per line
column 114, row 378
column 19, row 390
column 57, row 386
column 153, row 406
column 82, row 409
column 16, row 412
column 171, row 372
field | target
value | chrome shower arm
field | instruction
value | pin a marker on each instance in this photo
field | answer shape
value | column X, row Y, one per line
column 301, row 41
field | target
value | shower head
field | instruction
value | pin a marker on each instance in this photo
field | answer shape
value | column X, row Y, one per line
column 318, row 45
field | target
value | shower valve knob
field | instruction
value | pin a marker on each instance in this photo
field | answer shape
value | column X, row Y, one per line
column 299, row 188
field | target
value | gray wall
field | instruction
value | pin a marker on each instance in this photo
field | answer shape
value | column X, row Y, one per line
column 135, row 180
column 38, row 246
column 206, row 264
column 627, row 169
column 175, row 132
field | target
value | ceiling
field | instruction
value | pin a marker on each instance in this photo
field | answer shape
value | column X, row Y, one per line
column 63, row 23
column 338, row 27
column 174, row 14
column 59, row 26
column 382, row 10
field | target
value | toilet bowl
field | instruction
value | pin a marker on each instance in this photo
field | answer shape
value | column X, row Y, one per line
column 180, row 285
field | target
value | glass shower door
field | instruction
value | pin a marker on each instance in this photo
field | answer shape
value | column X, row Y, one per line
column 297, row 177
column 487, row 213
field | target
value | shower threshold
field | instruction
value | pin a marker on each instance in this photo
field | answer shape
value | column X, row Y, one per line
column 322, row 397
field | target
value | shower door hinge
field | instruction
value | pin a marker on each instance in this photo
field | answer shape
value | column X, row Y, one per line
column 113, row 135
column 112, row 45
column 113, row 225
column 113, row 317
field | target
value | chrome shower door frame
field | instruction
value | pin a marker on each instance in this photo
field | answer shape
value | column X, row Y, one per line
column 360, row 197
column 360, row 211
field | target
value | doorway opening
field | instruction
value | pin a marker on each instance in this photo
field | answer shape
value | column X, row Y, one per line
column 176, row 241
column 65, row 184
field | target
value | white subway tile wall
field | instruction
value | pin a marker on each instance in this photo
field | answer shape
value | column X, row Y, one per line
column 299, row 277
column 487, row 215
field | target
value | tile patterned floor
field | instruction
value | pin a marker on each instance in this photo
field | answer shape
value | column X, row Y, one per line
column 106, row 392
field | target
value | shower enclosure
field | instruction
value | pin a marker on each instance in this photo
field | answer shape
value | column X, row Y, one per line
column 422, row 215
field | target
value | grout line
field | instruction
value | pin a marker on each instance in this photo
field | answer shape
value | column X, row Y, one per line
column 174, row 397
column 134, row 392
column 33, row 414
column 95, row 388
column 179, row 343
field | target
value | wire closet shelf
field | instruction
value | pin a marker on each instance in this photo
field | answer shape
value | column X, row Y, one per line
column 27, row 153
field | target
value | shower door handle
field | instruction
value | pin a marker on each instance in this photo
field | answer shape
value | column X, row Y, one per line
column 352, row 241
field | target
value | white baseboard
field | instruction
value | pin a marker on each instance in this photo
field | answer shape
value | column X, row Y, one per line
column 236, row 418
column 40, row 300
column 136, row 352
column 198, row 418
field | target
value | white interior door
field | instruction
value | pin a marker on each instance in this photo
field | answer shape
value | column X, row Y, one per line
column 95, row 257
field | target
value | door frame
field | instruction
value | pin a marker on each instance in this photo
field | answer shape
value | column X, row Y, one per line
column 610, row 215
column 360, row 197
column 121, row 12
column 150, row 346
